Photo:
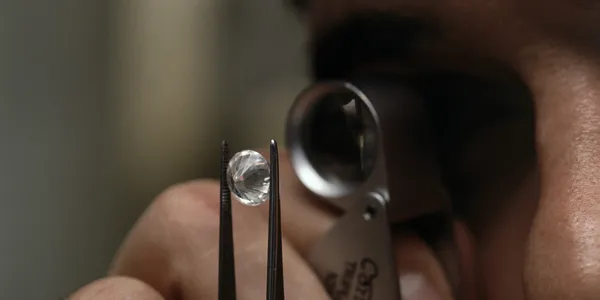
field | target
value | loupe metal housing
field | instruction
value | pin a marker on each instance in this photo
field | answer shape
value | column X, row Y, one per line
column 364, row 147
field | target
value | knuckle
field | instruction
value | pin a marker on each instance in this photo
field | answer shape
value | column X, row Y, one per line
column 183, row 215
column 188, row 202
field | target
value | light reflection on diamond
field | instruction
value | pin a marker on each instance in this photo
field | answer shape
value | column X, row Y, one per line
column 248, row 177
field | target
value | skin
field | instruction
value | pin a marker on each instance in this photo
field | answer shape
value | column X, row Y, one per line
column 526, row 182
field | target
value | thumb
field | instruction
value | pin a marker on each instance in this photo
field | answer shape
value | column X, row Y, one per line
column 422, row 276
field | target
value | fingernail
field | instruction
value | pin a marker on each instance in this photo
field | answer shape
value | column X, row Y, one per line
column 421, row 276
column 414, row 286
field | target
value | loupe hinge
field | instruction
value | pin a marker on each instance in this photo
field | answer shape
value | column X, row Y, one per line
column 355, row 259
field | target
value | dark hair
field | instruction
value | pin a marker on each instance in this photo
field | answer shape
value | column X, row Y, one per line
column 364, row 39
column 298, row 5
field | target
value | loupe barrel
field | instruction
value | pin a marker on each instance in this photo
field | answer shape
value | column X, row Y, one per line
column 372, row 134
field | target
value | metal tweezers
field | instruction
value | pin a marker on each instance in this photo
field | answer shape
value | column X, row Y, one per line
column 227, row 290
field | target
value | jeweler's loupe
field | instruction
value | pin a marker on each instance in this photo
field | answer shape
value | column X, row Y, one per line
column 366, row 148
column 332, row 136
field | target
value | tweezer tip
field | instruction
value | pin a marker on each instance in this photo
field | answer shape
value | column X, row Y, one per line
column 224, row 144
column 275, row 156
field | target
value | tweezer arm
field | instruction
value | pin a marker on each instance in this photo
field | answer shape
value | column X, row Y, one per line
column 275, row 289
column 227, row 289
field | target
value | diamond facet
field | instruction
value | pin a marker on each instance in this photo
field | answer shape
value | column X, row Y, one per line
column 248, row 177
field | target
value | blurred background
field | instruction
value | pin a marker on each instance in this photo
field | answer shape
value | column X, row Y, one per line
column 103, row 104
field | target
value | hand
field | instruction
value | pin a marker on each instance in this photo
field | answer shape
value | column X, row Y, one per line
column 172, row 252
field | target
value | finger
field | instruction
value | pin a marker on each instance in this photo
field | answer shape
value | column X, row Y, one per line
column 305, row 218
column 465, row 244
column 174, row 247
column 115, row 288
column 251, row 230
column 421, row 275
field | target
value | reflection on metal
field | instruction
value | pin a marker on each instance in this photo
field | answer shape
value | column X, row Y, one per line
column 365, row 148
column 354, row 260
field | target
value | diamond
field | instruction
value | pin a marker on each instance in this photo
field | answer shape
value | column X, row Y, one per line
column 248, row 177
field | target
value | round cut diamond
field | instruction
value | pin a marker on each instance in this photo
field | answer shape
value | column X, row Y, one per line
column 248, row 177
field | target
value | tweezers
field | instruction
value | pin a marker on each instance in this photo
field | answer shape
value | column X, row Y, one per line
column 227, row 285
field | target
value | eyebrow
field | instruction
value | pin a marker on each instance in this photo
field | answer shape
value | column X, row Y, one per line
column 363, row 39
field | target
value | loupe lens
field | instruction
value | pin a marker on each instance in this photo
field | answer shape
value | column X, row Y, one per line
column 338, row 137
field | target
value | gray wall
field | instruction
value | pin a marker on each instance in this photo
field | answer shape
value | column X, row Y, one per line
column 263, row 66
column 102, row 105
column 55, row 198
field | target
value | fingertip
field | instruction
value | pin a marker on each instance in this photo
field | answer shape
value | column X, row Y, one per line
column 421, row 276
column 415, row 286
